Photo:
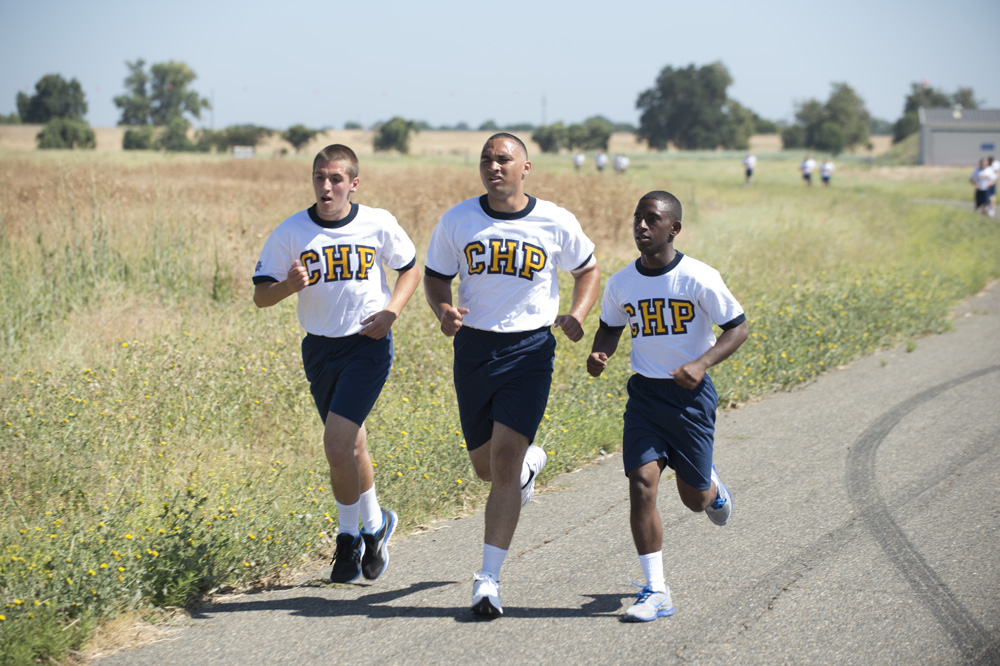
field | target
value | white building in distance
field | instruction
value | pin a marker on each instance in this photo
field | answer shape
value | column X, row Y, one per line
column 957, row 136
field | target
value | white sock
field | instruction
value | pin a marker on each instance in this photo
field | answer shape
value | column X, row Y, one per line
column 652, row 568
column 348, row 515
column 493, row 558
column 371, row 512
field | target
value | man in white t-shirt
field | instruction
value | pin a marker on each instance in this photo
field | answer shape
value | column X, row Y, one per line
column 601, row 160
column 749, row 163
column 995, row 166
column 826, row 171
column 983, row 178
column 807, row 167
column 506, row 248
column 334, row 255
column 669, row 303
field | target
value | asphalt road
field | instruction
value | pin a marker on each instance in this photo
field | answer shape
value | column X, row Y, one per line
column 866, row 530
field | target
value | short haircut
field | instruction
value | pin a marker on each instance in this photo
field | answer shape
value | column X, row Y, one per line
column 508, row 135
column 336, row 152
column 669, row 201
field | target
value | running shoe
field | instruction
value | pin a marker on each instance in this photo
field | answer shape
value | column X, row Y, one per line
column 486, row 596
column 649, row 606
column 535, row 459
column 347, row 558
column 720, row 510
column 376, row 557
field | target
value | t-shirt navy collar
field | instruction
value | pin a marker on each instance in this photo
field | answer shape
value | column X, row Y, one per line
column 663, row 270
column 495, row 214
column 336, row 224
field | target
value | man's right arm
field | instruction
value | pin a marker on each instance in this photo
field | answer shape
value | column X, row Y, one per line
column 266, row 294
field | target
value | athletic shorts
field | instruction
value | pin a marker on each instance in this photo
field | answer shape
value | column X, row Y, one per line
column 982, row 198
column 665, row 420
column 346, row 374
column 749, row 173
column 826, row 180
column 502, row 377
column 807, row 177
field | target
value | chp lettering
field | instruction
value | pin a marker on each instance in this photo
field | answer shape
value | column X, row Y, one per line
column 502, row 256
column 338, row 262
column 654, row 315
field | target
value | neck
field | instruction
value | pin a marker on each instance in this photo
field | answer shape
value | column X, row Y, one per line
column 511, row 204
column 658, row 259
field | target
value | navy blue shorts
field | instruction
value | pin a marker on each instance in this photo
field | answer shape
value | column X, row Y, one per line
column 503, row 377
column 346, row 374
column 665, row 420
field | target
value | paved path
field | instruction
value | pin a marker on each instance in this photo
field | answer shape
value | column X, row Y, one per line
column 866, row 531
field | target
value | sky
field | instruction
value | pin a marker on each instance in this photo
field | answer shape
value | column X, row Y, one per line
column 444, row 62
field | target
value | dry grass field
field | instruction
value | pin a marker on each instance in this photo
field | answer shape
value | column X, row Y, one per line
column 426, row 143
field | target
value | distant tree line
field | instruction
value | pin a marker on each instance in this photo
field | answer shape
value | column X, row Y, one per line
column 686, row 107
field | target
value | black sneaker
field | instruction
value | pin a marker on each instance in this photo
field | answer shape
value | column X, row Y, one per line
column 347, row 558
column 376, row 557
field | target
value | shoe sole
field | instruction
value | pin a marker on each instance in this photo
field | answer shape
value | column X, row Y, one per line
column 484, row 608
column 660, row 613
column 388, row 533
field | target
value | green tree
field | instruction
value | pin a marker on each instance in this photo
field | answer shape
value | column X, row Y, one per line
column 299, row 135
column 352, row 125
column 394, row 135
column 161, row 97
column 489, row 126
column 923, row 95
column 551, row 138
column 246, row 135
column 793, row 136
column 207, row 140
column 841, row 122
column 12, row 119
column 846, row 112
column 175, row 137
column 737, row 131
column 135, row 105
column 138, row 138
column 686, row 107
column 54, row 97
column 593, row 134
column 66, row 133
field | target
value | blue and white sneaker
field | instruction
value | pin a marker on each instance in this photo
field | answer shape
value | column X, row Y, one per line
column 720, row 510
column 649, row 606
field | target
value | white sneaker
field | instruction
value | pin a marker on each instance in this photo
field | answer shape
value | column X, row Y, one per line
column 535, row 459
column 486, row 596
column 649, row 606
column 720, row 510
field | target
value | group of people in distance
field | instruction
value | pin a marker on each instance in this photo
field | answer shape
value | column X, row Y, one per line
column 984, row 180
column 620, row 162
column 506, row 248
column 807, row 167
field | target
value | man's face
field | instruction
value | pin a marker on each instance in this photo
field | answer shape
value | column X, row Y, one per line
column 502, row 167
column 333, row 187
column 652, row 228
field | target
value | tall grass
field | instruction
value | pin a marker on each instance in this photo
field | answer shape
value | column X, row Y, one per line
column 157, row 438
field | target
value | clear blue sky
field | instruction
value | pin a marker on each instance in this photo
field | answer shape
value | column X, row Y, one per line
column 444, row 61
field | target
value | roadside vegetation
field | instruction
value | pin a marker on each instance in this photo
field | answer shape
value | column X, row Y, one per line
column 157, row 437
